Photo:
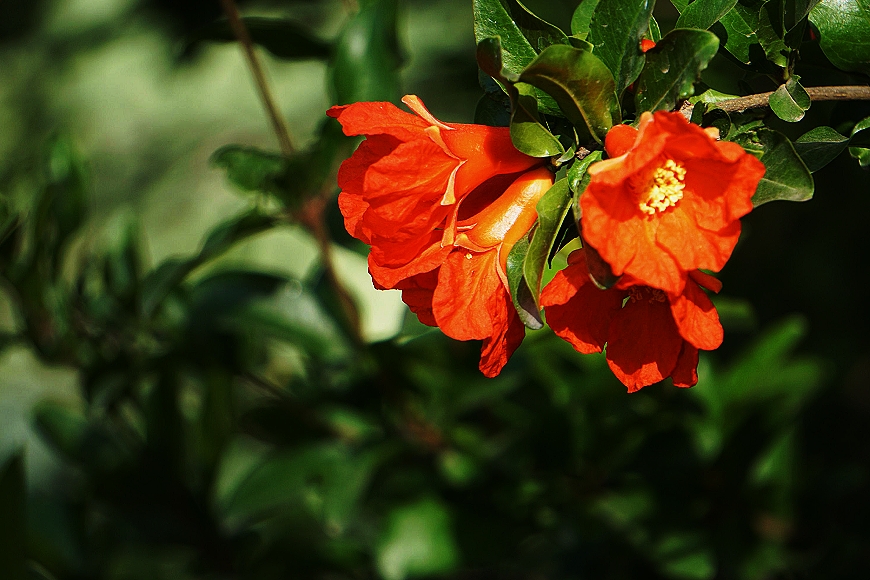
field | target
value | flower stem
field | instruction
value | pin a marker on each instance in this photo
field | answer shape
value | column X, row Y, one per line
column 244, row 38
column 840, row 93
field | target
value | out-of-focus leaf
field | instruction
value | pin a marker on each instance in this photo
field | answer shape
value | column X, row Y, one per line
column 418, row 541
column 13, row 523
column 521, row 294
column 820, row 146
column 790, row 101
column 250, row 169
column 581, row 20
column 523, row 35
column 327, row 481
column 672, row 68
column 283, row 38
column 70, row 433
column 580, row 83
column 786, row 177
column 616, row 31
column 703, row 14
column 367, row 58
column 844, row 29
column 552, row 209
column 165, row 278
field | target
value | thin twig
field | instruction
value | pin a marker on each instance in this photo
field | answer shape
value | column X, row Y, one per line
column 244, row 38
column 842, row 93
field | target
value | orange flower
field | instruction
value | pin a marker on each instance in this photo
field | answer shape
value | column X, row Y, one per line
column 402, row 188
column 649, row 334
column 441, row 205
column 668, row 201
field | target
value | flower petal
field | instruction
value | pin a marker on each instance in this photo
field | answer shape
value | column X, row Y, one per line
column 577, row 311
column 696, row 318
column 417, row 294
column 467, row 283
column 685, row 374
column 643, row 343
column 509, row 333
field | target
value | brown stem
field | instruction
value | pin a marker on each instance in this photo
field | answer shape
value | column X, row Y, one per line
column 312, row 216
column 842, row 93
column 244, row 38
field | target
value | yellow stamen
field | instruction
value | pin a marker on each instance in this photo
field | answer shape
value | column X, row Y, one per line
column 666, row 188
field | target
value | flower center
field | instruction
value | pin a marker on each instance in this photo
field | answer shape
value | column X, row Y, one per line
column 651, row 295
column 666, row 188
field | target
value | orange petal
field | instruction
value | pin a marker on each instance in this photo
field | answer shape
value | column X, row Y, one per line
column 696, row 318
column 509, row 333
column 685, row 374
column 467, row 283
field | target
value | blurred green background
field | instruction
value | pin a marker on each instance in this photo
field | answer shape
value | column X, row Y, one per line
column 176, row 410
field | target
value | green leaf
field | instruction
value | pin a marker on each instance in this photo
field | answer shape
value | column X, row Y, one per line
column 740, row 24
column 578, row 179
column 790, row 101
column 672, row 68
column 552, row 209
column 703, row 14
column 367, row 56
column 528, row 132
column 820, row 146
column 159, row 283
column 616, row 31
column 580, row 83
column 655, row 32
column 250, row 169
column 862, row 154
column 521, row 294
column 283, row 38
column 795, row 11
column 13, row 523
column 860, row 135
column 786, row 178
column 582, row 18
column 417, row 541
column 844, row 28
column 523, row 35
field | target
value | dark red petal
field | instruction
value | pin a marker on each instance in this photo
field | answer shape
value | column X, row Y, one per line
column 685, row 374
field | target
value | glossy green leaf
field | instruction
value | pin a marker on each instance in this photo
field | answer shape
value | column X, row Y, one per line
column 703, row 14
column 790, row 101
column 580, row 83
column 616, row 31
column 771, row 34
column 844, row 29
column 862, row 154
column 521, row 294
column 528, row 132
column 655, row 32
column 820, row 146
column 13, row 523
column 285, row 39
column 523, row 35
column 417, row 541
column 582, row 18
column 367, row 58
column 578, row 179
column 740, row 24
column 860, row 134
column 672, row 68
column 552, row 209
column 787, row 177
column 794, row 11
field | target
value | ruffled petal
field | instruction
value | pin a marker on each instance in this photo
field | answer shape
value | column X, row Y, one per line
column 417, row 294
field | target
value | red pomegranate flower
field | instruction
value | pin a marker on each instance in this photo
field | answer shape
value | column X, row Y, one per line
column 649, row 334
column 441, row 205
column 402, row 187
column 668, row 201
